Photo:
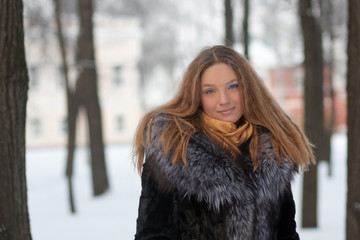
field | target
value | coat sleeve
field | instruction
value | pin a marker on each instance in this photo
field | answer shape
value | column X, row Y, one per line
column 287, row 224
column 155, row 215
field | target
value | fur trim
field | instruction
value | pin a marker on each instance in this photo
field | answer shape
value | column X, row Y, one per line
column 211, row 176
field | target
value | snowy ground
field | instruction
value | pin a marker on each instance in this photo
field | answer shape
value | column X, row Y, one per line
column 113, row 216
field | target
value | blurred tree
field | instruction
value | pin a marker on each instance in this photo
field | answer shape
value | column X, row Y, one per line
column 353, row 122
column 314, row 110
column 283, row 37
column 38, row 28
column 86, row 92
column 83, row 96
column 159, row 20
column 14, row 216
column 327, row 13
column 246, row 28
column 229, row 34
column 72, row 103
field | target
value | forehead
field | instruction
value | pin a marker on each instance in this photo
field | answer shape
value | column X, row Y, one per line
column 219, row 73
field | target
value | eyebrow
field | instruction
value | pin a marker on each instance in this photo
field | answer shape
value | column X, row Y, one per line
column 229, row 82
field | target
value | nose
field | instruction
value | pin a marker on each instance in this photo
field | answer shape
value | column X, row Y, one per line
column 224, row 98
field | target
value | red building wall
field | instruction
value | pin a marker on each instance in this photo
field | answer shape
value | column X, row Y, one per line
column 286, row 85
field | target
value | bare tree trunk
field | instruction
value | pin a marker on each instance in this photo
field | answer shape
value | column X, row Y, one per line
column 353, row 122
column 72, row 105
column 246, row 28
column 327, row 13
column 87, row 90
column 14, row 216
column 229, row 34
column 314, row 110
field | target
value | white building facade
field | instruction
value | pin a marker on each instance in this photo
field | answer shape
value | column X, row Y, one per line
column 118, row 51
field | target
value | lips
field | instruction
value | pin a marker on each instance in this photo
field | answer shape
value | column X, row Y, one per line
column 226, row 111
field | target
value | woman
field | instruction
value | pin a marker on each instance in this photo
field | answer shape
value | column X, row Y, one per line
column 219, row 157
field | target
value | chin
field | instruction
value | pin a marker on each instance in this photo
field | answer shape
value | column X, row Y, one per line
column 229, row 119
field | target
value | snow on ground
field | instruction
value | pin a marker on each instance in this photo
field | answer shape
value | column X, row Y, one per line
column 113, row 216
column 331, row 196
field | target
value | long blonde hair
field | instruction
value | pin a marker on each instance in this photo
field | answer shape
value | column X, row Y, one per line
column 259, row 108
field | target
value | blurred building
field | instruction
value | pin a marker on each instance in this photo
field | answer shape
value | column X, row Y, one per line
column 286, row 85
column 118, row 50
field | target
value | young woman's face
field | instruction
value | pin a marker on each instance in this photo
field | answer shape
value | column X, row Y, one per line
column 220, row 94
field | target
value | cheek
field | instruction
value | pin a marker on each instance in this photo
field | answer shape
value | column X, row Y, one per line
column 236, row 97
column 207, row 104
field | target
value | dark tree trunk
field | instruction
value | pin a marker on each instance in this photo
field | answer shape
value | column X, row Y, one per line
column 246, row 28
column 353, row 122
column 87, row 91
column 327, row 14
column 314, row 110
column 229, row 34
column 72, row 104
column 14, row 216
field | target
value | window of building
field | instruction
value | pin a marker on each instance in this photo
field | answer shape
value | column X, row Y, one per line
column 119, row 123
column 64, row 125
column 35, row 127
column 33, row 77
column 60, row 77
column 117, row 75
column 299, row 80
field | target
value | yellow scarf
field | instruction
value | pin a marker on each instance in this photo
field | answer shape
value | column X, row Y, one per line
column 227, row 132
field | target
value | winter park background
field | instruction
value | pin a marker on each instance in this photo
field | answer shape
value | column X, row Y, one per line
column 275, row 41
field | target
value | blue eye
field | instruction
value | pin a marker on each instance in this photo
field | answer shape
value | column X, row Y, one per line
column 209, row 91
column 234, row 86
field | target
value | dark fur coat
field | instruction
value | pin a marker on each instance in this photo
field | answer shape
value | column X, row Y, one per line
column 213, row 197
